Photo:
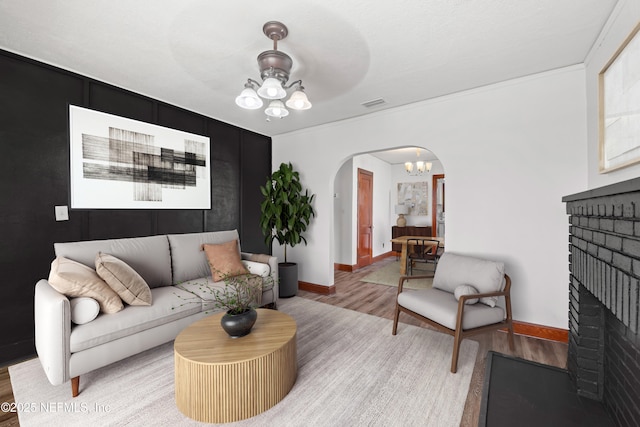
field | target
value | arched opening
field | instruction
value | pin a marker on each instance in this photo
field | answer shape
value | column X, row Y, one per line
column 394, row 190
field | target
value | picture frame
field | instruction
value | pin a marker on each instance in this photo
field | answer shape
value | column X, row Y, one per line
column 121, row 163
column 619, row 107
column 414, row 196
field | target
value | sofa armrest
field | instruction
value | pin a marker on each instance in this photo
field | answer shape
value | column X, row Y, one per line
column 52, row 331
column 273, row 268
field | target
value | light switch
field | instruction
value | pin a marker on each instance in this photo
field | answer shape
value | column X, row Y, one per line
column 62, row 213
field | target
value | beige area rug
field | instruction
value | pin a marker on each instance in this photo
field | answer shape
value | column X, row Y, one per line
column 390, row 274
column 351, row 371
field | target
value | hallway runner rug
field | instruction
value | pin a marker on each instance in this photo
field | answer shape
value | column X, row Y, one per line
column 351, row 371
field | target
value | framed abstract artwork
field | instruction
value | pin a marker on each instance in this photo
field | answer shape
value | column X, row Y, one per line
column 413, row 195
column 619, row 107
column 120, row 163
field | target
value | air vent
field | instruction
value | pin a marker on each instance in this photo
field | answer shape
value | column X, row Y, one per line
column 374, row 102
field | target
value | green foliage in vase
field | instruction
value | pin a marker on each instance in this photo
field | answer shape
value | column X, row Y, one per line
column 286, row 210
column 239, row 293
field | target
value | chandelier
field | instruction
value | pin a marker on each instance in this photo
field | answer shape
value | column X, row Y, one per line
column 275, row 67
column 419, row 166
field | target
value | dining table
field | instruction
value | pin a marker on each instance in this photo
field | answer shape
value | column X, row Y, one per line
column 406, row 241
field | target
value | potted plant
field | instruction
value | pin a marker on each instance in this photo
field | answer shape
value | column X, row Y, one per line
column 238, row 296
column 285, row 214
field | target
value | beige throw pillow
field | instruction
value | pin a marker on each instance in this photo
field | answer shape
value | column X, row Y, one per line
column 73, row 279
column 123, row 279
column 224, row 260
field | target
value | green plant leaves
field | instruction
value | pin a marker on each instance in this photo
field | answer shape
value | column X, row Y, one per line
column 286, row 211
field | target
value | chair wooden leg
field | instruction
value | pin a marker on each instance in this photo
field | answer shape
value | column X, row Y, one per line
column 456, row 350
column 395, row 320
column 75, row 386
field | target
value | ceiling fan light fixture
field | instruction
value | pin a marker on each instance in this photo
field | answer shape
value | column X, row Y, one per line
column 299, row 100
column 275, row 68
column 276, row 109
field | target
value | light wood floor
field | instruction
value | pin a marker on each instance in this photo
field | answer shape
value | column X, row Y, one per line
column 379, row 300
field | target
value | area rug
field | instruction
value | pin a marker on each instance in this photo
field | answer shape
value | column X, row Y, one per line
column 522, row 393
column 351, row 371
column 390, row 274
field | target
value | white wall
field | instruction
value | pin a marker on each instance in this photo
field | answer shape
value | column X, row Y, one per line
column 345, row 230
column 343, row 214
column 622, row 22
column 511, row 151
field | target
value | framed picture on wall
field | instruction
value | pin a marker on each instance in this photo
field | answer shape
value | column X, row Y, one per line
column 619, row 106
column 119, row 163
column 413, row 195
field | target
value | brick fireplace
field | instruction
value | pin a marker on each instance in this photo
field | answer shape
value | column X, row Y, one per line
column 604, row 263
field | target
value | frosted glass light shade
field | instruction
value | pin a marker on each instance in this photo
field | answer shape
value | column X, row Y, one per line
column 408, row 166
column 272, row 89
column 298, row 101
column 249, row 99
column 428, row 166
column 276, row 109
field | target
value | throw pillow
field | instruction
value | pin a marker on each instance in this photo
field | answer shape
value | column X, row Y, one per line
column 123, row 279
column 224, row 260
column 258, row 268
column 490, row 301
column 466, row 290
column 83, row 310
column 73, row 279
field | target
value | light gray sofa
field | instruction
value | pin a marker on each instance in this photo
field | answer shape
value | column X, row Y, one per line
column 174, row 267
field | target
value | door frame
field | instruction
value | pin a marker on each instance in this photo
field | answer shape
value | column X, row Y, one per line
column 369, row 260
column 434, row 202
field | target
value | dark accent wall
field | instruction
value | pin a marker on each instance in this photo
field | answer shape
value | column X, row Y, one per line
column 34, row 99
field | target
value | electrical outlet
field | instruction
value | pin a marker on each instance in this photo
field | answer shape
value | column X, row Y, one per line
column 62, row 213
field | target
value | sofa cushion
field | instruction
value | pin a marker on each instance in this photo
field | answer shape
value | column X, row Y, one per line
column 454, row 270
column 259, row 268
column 73, row 279
column 123, row 279
column 169, row 304
column 188, row 260
column 442, row 307
column 148, row 256
column 203, row 289
column 83, row 310
column 224, row 260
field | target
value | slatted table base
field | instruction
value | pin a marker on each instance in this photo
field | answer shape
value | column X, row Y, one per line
column 233, row 391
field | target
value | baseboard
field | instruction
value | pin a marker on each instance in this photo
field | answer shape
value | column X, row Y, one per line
column 383, row 256
column 344, row 267
column 318, row 289
column 540, row 331
column 350, row 268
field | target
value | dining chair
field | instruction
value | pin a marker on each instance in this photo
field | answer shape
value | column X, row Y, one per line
column 423, row 250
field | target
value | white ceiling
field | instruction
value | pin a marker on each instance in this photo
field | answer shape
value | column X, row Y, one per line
column 197, row 54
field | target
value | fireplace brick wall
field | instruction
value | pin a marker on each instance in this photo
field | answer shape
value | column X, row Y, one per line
column 604, row 286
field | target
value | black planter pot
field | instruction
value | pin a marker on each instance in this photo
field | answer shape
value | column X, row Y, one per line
column 239, row 325
column 288, row 273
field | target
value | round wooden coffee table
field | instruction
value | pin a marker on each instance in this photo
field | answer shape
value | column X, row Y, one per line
column 219, row 379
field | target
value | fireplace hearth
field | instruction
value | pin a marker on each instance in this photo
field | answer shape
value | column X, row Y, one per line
column 604, row 263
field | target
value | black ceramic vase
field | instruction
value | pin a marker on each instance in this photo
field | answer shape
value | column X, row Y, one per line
column 239, row 325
